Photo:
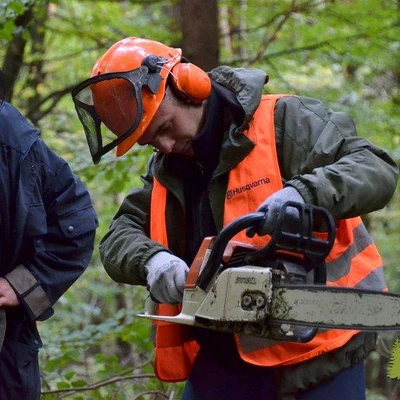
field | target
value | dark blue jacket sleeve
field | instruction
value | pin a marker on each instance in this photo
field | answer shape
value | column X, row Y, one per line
column 59, row 234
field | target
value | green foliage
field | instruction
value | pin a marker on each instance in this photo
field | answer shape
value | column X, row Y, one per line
column 92, row 352
column 9, row 11
column 345, row 52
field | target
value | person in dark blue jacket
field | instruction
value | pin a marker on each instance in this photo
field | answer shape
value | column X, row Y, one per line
column 47, row 231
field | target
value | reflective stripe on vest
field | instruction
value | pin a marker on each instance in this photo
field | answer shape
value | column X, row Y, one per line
column 353, row 261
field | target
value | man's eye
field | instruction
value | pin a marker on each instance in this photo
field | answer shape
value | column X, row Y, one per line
column 165, row 127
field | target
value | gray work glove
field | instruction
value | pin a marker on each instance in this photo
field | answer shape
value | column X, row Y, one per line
column 272, row 207
column 166, row 277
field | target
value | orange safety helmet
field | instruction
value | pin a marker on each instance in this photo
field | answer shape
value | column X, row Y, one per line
column 127, row 86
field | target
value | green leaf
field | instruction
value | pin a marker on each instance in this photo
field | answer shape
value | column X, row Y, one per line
column 79, row 383
column 63, row 385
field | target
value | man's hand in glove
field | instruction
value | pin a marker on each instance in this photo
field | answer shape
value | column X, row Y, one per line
column 166, row 277
column 272, row 207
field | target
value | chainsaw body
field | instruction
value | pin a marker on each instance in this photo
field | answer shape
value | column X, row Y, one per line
column 279, row 291
column 231, row 286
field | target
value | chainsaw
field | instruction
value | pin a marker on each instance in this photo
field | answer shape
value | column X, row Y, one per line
column 278, row 291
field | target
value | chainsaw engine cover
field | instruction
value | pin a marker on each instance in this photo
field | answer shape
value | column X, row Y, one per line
column 239, row 294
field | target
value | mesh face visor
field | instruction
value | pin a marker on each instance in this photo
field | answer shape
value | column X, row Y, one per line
column 110, row 107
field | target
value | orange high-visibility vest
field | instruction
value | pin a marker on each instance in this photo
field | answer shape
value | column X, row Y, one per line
column 353, row 261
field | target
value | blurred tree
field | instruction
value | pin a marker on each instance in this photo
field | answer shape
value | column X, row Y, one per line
column 198, row 21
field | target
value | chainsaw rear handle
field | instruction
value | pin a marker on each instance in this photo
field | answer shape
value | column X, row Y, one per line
column 301, row 241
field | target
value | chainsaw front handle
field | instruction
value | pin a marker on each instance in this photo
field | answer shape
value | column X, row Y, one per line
column 303, row 240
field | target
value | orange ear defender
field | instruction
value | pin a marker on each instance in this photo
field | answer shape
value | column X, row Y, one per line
column 190, row 82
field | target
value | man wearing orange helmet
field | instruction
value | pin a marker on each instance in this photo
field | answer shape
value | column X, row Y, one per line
column 127, row 87
column 223, row 149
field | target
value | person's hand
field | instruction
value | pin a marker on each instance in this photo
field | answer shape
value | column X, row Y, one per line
column 8, row 297
column 272, row 207
column 166, row 277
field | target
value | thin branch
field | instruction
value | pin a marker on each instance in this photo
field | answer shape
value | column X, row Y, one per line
column 327, row 42
column 264, row 46
column 98, row 385
column 35, row 113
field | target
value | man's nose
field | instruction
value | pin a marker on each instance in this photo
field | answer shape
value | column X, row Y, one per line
column 164, row 144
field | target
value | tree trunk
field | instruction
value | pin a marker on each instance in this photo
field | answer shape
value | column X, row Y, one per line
column 199, row 24
column 36, row 74
column 14, row 56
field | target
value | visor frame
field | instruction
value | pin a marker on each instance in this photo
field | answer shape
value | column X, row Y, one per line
column 138, row 78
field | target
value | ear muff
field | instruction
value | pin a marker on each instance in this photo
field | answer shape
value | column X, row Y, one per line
column 190, row 82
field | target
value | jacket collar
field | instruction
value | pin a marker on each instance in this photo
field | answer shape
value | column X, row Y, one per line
column 246, row 84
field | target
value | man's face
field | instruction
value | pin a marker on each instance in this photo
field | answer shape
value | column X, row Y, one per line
column 173, row 128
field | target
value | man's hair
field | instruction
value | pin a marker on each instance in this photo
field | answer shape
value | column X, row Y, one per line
column 172, row 95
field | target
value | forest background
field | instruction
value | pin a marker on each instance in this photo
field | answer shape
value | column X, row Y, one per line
column 346, row 52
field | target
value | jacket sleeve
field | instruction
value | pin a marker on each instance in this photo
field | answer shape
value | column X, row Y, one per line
column 58, row 234
column 126, row 246
column 321, row 156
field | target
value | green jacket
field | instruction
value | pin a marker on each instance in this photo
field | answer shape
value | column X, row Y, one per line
column 319, row 154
